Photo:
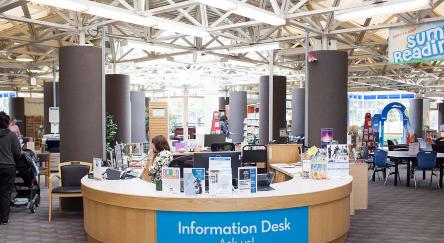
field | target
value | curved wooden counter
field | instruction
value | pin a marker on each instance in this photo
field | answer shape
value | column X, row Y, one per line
column 125, row 211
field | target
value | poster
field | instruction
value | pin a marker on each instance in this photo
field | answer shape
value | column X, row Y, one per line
column 326, row 136
column 416, row 43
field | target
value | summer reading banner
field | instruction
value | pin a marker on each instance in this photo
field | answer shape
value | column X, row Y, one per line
column 417, row 43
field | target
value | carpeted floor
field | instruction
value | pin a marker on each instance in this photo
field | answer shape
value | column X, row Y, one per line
column 395, row 215
column 401, row 214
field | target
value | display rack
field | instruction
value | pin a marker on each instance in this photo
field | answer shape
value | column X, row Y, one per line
column 32, row 125
column 251, row 122
column 368, row 138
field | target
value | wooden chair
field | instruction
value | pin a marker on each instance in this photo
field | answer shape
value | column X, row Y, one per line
column 44, row 167
column 70, row 174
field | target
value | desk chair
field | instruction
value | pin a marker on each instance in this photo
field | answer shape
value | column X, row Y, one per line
column 252, row 155
column 381, row 165
column 182, row 162
column 222, row 147
column 44, row 168
column 70, row 174
column 426, row 161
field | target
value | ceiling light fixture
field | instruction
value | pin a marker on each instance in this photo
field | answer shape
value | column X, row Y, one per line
column 255, row 47
column 376, row 9
column 120, row 14
column 246, row 10
column 149, row 47
column 24, row 58
column 78, row 6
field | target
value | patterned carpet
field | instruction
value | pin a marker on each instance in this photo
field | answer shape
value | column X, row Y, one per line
column 25, row 227
column 395, row 215
column 400, row 214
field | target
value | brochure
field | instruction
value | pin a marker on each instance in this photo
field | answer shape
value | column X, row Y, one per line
column 194, row 181
column 247, row 181
column 171, row 179
column 219, row 162
column 338, row 162
column 220, row 181
column 318, row 169
column 97, row 167
column 220, row 175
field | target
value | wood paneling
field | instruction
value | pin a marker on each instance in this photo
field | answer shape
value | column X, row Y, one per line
column 217, row 204
column 329, row 221
column 283, row 153
column 158, row 125
column 359, row 186
column 107, row 223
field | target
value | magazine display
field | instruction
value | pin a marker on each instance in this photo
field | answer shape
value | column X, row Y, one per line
column 247, row 181
column 194, row 181
column 338, row 160
column 171, row 179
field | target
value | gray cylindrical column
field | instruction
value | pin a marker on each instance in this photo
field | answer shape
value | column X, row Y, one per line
column 223, row 101
column 263, row 110
column 298, row 112
column 278, row 94
column 416, row 116
column 17, row 111
column 118, row 105
column 81, row 108
column 48, row 101
column 138, row 111
column 238, row 113
column 326, row 96
column 440, row 114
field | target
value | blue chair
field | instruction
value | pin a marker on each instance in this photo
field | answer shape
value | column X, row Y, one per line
column 426, row 162
column 381, row 164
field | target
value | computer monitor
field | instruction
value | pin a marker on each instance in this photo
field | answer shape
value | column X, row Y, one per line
column 213, row 138
column 201, row 160
column 119, row 156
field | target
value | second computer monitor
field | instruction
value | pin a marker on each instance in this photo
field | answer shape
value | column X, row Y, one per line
column 201, row 160
column 213, row 138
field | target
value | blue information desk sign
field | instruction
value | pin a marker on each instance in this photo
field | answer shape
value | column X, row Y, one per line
column 283, row 225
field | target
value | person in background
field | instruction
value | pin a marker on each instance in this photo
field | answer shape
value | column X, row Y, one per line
column 162, row 157
column 224, row 126
column 9, row 152
column 14, row 128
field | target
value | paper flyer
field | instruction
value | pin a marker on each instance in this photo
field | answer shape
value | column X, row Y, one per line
column 247, row 181
column 171, row 179
column 194, row 181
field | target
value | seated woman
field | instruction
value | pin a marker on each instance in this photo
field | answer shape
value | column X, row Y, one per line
column 162, row 157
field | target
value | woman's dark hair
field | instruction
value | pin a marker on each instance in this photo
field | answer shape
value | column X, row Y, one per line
column 160, row 143
column 4, row 120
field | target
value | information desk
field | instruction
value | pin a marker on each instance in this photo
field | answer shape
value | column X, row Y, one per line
column 298, row 210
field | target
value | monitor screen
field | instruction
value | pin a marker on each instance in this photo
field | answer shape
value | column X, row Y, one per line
column 213, row 138
column 201, row 160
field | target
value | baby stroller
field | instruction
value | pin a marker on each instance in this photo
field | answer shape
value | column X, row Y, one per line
column 26, row 185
